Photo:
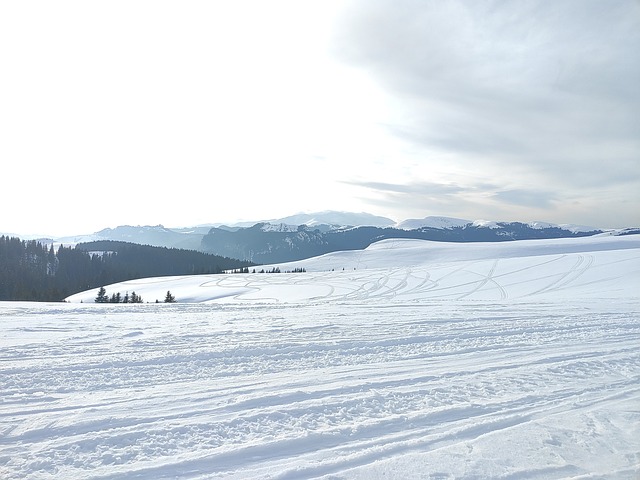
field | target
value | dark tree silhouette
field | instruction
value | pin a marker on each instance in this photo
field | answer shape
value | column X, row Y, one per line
column 102, row 296
column 33, row 271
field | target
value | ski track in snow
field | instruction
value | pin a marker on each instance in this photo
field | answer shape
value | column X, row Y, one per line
column 489, row 368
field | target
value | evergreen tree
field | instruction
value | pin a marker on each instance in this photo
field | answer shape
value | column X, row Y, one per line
column 32, row 271
column 135, row 298
column 169, row 298
column 102, row 296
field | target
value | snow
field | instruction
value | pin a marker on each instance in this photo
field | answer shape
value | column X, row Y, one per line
column 336, row 219
column 432, row 222
column 577, row 228
column 419, row 360
column 542, row 225
column 280, row 227
column 573, row 228
column 486, row 223
column 416, row 270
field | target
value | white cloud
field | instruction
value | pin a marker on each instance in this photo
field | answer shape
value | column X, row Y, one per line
column 535, row 96
column 159, row 112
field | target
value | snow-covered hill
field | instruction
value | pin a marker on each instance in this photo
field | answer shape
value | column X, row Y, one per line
column 419, row 360
column 419, row 270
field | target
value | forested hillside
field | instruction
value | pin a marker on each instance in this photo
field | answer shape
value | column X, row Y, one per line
column 264, row 244
column 30, row 270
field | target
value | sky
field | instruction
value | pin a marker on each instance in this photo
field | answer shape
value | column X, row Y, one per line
column 188, row 113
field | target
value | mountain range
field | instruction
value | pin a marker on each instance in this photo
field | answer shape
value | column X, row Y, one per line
column 307, row 235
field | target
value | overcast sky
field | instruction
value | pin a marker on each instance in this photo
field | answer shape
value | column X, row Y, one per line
column 184, row 113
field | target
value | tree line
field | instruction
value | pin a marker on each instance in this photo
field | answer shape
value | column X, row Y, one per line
column 31, row 270
column 272, row 270
column 117, row 297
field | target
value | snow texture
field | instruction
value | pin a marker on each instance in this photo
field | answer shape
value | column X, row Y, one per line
column 419, row 360
column 432, row 222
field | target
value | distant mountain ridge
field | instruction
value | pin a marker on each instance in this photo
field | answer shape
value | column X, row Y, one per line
column 336, row 219
column 432, row 222
column 305, row 235
column 190, row 237
column 263, row 244
column 451, row 222
column 156, row 236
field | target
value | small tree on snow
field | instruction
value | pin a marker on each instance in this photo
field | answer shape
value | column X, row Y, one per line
column 135, row 298
column 169, row 298
column 102, row 296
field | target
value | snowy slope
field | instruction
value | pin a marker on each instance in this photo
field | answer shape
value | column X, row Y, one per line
column 417, row 270
column 419, row 360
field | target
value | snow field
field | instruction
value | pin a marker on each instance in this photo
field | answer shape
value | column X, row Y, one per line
column 473, row 390
column 488, row 363
column 410, row 270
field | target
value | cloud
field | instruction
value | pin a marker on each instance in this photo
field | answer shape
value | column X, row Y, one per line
column 603, row 207
column 488, row 109
column 423, row 188
column 454, row 194
column 528, row 198
column 549, row 89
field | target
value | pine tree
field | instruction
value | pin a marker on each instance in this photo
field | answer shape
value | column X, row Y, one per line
column 169, row 298
column 102, row 296
column 135, row 298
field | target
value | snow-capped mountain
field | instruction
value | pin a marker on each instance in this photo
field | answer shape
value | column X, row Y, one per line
column 278, row 227
column 336, row 219
column 308, row 234
column 432, row 222
column 266, row 243
column 576, row 228
column 325, row 220
column 157, row 236
column 440, row 222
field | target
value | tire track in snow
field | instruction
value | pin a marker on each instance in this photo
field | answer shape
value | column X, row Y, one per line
column 569, row 276
column 487, row 278
column 245, row 391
